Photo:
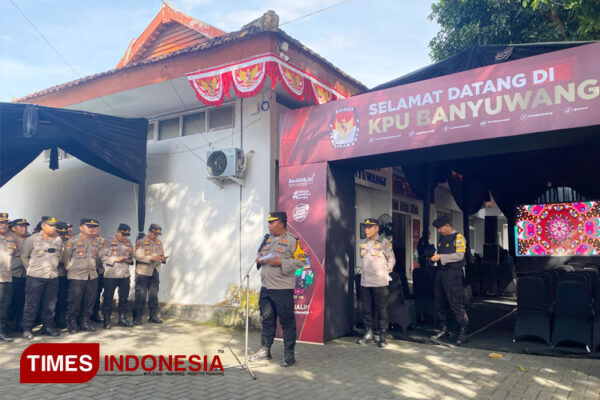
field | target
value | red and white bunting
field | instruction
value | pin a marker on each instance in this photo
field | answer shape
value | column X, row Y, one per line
column 249, row 75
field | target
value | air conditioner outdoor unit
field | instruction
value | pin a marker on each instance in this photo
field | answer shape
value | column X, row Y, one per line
column 226, row 163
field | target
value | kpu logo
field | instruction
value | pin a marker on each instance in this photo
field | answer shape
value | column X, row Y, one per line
column 343, row 128
column 60, row 362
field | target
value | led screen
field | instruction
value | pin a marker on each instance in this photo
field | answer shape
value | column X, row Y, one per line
column 559, row 229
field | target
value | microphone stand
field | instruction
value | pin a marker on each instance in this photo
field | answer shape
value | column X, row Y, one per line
column 244, row 365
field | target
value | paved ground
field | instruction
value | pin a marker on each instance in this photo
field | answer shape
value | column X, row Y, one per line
column 338, row 370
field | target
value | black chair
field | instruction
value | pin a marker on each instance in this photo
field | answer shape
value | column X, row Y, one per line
column 534, row 308
column 401, row 311
column 595, row 283
column 573, row 314
column 423, row 292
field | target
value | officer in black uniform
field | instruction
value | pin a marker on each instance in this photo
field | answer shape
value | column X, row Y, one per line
column 278, row 258
column 449, row 292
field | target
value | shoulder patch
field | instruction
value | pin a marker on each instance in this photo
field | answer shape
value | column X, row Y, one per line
column 461, row 244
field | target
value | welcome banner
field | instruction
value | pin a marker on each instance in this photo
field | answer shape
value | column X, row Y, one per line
column 557, row 90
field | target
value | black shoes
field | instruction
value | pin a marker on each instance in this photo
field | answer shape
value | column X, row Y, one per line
column 154, row 319
column 368, row 336
column 27, row 334
column 462, row 337
column 262, row 354
column 97, row 318
column 4, row 337
column 106, row 324
column 87, row 326
column 288, row 356
column 382, row 339
column 50, row 331
column 123, row 321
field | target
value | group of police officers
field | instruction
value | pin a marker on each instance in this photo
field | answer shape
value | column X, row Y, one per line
column 58, row 279
column 280, row 255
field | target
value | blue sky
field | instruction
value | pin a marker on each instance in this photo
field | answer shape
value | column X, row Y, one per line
column 374, row 41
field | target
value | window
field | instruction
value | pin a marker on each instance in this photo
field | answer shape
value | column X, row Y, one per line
column 150, row 132
column 220, row 118
column 168, row 128
column 194, row 124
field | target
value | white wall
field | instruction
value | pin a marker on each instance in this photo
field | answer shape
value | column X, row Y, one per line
column 209, row 243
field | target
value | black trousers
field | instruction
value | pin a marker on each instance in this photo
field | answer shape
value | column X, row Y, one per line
column 81, row 298
column 449, row 296
column 146, row 286
column 110, row 284
column 61, row 298
column 5, row 299
column 18, row 300
column 275, row 303
column 40, row 295
column 375, row 300
column 100, row 287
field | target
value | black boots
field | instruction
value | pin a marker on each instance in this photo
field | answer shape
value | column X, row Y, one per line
column 46, row 330
column 366, row 338
column 27, row 334
column 262, row 354
column 3, row 336
column 382, row 339
column 123, row 320
column 462, row 336
column 442, row 333
column 288, row 356
column 87, row 326
column 72, row 326
column 97, row 318
column 106, row 324
column 154, row 318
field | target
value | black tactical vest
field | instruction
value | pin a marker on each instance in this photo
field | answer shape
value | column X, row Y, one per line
column 447, row 245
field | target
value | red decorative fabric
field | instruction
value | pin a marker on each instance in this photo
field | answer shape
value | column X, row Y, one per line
column 248, row 76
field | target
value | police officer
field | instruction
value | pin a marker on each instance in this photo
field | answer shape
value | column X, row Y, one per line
column 117, row 256
column 41, row 254
column 449, row 278
column 378, row 262
column 60, row 319
column 279, row 258
column 19, row 228
column 149, row 255
column 81, row 256
column 98, row 244
column 8, row 246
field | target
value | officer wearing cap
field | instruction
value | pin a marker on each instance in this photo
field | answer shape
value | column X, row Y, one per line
column 378, row 261
column 278, row 259
column 8, row 246
column 149, row 255
column 99, row 243
column 41, row 254
column 19, row 229
column 449, row 293
column 60, row 318
column 117, row 256
column 80, row 261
